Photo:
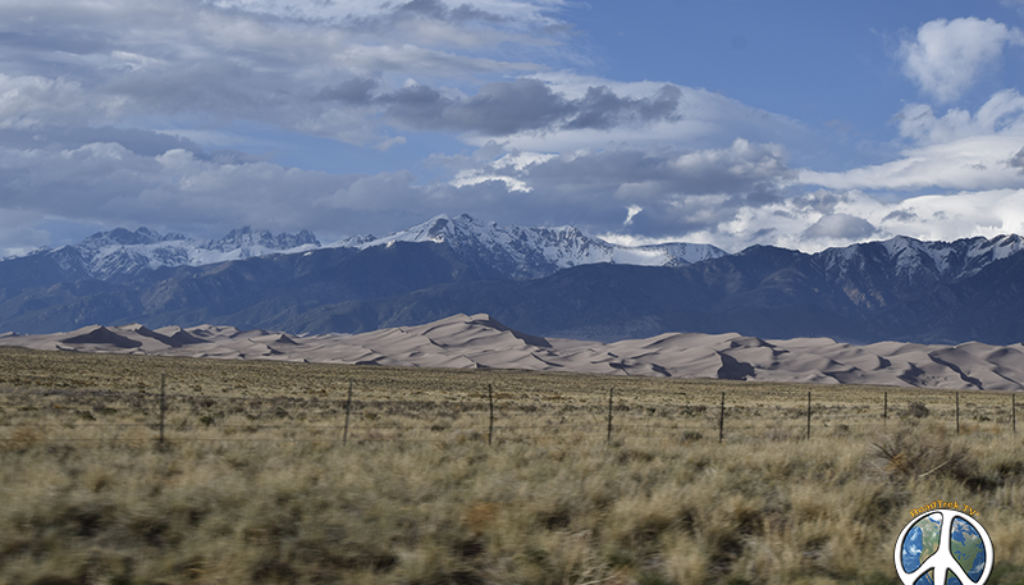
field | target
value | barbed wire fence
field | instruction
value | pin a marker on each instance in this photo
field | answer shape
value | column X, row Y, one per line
column 51, row 416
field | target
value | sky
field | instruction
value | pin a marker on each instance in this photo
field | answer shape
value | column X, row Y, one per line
column 795, row 123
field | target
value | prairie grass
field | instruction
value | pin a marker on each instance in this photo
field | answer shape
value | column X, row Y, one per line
column 255, row 483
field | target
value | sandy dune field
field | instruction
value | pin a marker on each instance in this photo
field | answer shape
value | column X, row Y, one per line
column 480, row 342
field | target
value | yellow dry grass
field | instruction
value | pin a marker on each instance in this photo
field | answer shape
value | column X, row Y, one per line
column 255, row 484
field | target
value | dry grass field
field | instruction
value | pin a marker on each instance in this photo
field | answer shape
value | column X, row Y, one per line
column 256, row 483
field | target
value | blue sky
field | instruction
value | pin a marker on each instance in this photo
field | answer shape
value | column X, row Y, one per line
column 803, row 124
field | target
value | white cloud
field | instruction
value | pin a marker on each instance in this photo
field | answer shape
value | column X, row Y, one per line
column 824, row 220
column 731, row 198
column 950, row 217
column 980, row 162
column 946, row 56
column 631, row 212
column 1002, row 114
column 840, row 226
column 106, row 184
column 471, row 179
column 960, row 150
column 125, row 61
column 29, row 101
column 384, row 145
column 429, row 14
column 701, row 119
column 556, row 146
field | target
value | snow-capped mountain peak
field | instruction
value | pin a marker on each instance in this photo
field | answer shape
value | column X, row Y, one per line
column 246, row 237
column 122, row 237
column 519, row 252
column 506, row 251
column 531, row 252
column 120, row 252
column 909, row 256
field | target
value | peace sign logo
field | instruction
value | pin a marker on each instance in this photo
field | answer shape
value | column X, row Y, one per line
column 944, row 547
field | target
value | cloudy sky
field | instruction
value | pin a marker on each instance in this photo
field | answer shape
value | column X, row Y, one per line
column 798, row 123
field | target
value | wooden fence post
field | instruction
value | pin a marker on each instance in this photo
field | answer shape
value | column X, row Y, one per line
column 611, row 392
column 958, row 413
column 885, row 410
column 490, row 428
column 163, row 405
column 348, row 412
column 808, row 416
column 721, row 420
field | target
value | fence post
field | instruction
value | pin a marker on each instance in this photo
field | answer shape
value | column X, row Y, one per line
column 958, row 413
column 490, row 428
column 885, row 410
column 348, row 411
column 808, row 416
column 163, row 405
column 1013, row 411
column 611, row 392
column 721, row 420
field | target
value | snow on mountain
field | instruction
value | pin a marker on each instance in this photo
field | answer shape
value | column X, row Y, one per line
column 121, row 252
column 909, row 257
column 512, row 250
column 536, row 251
column 519, row 252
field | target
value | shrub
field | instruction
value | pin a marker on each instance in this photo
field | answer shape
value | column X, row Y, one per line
column 916, row 410
column 922, row 452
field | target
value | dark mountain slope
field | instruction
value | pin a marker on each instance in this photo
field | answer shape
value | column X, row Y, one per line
column 765, row 292
column 901, row 289
column 267, row 288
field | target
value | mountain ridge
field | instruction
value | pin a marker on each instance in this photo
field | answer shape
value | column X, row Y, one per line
column 518, row 252
column 898, row 289
column 532, row 252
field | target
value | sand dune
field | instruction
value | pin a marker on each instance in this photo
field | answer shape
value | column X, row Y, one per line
column 479, row 341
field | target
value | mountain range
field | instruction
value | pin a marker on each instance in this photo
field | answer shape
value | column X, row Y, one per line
column 555, row 282
column 511, row 251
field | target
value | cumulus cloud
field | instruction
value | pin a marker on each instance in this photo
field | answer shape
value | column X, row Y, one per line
column 475, row 22
column 125, row 59
column 1017, row 161
column 555, row 146
column 497, row 109
column 732, row 197
column 631, row 212
column 968, row 163
column 638, row 175
column 679, row 192
column 601, row 109
column 105, row 183
column 840, row 226
column 336, row 70
column 1002, row 114
column 109, row 185
column 29, row 101
column 143, row 142
column 946, row 56
column 648, row 113
column 828, row 219
column 958, row 150
column 505, row 108
column 77, row 77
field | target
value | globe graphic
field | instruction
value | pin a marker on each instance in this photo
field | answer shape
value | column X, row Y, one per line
column 966, row 547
